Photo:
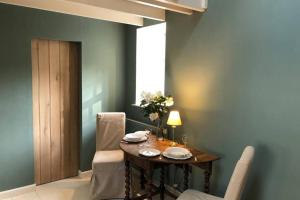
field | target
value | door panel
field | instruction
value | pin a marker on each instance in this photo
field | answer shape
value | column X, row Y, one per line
column 44, row 114
column 55, row 72
column 74, row 88
column 65, row 106
column 55, row 110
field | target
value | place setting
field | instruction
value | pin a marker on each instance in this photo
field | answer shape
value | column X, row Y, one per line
column 176, row 153
column 172, row 152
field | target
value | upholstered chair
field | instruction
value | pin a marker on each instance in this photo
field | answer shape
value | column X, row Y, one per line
column 108, row 163
column 236, row 183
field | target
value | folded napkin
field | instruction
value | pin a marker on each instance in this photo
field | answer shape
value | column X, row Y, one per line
column 141, row 133
column 138, row 135
column 177, row 152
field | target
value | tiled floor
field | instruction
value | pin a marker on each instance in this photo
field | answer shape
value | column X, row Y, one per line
column 76, row 188
column 68, row 189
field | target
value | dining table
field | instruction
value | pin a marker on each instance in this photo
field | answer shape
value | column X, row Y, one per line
column 132, row 157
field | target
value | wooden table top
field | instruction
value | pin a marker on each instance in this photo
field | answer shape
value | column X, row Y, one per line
column 197, row 158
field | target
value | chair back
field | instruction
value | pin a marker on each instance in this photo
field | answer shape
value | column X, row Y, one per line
column 110, row 130
column 239, row 176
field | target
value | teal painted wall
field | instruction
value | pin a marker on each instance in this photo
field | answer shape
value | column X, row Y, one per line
column 102, row 45
column 234, row 72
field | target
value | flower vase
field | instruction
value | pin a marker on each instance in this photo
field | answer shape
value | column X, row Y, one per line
column 159, row 131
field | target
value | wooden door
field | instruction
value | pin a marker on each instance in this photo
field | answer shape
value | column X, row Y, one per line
column 55, row 88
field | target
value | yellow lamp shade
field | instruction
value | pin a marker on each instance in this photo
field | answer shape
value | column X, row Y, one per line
column 174, row 118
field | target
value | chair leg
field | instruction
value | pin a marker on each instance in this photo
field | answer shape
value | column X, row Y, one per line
column 149, row 184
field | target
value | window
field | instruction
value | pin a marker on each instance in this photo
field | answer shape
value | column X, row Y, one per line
column 150, row 60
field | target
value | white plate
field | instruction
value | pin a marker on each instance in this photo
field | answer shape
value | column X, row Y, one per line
column 177, row 153
column 128, row 139
column 149, row 152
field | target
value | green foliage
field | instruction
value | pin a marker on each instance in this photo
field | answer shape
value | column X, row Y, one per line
column 156, row 104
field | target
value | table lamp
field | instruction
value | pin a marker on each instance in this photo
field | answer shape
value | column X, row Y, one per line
column 174, row 120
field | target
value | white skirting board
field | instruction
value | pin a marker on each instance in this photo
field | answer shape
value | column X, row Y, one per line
column 85, row 173
column 17, row 191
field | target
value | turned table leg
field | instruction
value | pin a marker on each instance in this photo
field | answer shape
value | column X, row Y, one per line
column 207, row 175
column 149, row 184
column 142, row 179
column 186, row 177
column 127, row 180
column 162, row 183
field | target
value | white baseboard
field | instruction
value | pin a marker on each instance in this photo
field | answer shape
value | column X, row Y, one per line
column 17, row 191
column 84, row 174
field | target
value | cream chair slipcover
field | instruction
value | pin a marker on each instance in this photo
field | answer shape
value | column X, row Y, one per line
column 236, row 183
column 108, row 163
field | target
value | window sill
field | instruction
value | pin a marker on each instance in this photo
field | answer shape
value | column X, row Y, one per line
column 136, row 105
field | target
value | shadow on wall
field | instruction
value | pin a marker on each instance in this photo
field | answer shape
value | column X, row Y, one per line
column 260, row 171
column 133, row 125
column 92, row 103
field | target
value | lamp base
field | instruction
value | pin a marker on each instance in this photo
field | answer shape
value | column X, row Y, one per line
column 173, row 144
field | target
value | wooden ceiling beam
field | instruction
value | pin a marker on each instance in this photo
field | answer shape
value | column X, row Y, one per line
column 196, row 5
column 125, row 6
column 181, row 6
column 79, row 9
column 164, row 5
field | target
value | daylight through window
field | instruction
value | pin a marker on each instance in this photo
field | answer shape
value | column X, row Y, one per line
column 150, row 59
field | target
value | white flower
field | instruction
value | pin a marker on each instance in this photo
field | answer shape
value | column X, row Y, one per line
column 169, row 101
column 158, row 94
column 143, row 94
column 147, row 96
column 153, row 116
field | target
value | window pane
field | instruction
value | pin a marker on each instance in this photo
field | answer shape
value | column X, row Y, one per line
column 150, row 59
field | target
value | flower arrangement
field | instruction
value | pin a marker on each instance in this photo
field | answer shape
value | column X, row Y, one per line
column 155, row 106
